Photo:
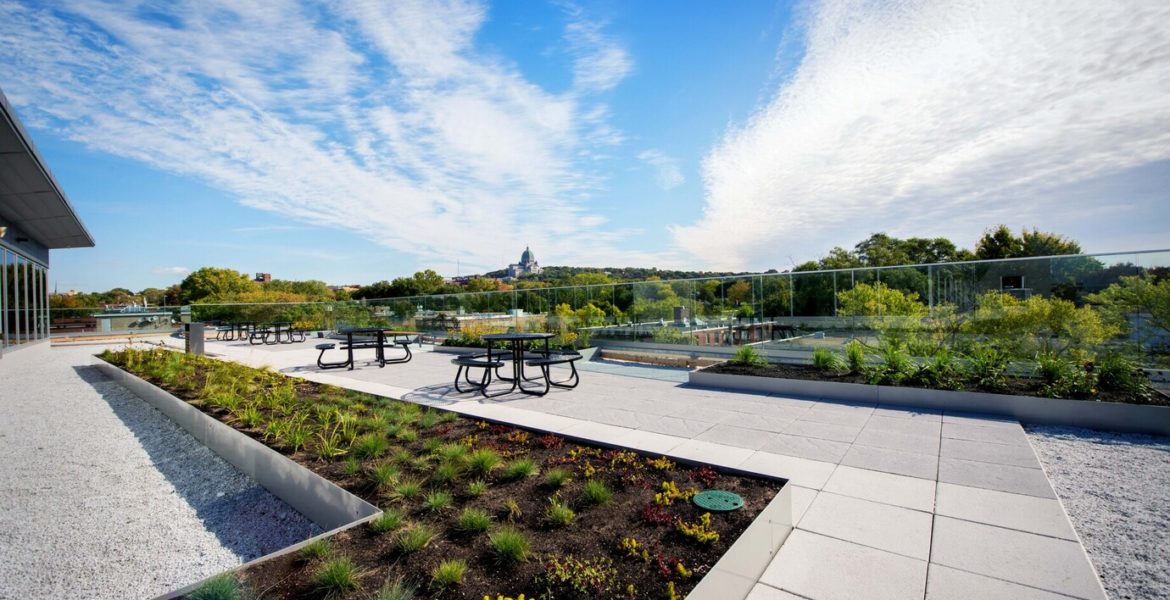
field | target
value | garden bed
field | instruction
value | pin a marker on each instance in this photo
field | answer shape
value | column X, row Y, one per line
column 596, row 522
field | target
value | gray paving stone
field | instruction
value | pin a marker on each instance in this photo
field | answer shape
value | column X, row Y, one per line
column 945, row 583
column 1012, row 434
column 648, row 441
column 980, row 419
column 908, row 412
column 1001, row 454
column 767, row 592
column 805, row 447
column 904, row 426
column 807, row 473
column 882, row 526
column 1013, row 511
column 824, row 431
column 679, row 427
column 740, row 437
column 815, row 566
column 1047, row 563
column 1005, row 478
column 918, row 444
column 924, row 466
column 838, row 415
column 761, row 422
column 711, row 453
column 899, row 490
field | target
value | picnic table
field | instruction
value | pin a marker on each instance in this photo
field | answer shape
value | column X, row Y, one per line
column 518, row 355
column 383, row 339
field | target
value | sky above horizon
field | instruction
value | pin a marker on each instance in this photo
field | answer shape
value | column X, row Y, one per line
column 358, row 141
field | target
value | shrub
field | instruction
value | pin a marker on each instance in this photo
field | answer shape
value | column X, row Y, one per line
column 509, row 545
column 520, row 468
column 473, row 520
column 337, row 576
column 1063, row 378
column 483, row 461
column 939, row 372
column 557, row 477
column 476, row 488
column 988, row 368
column 824, row 359
column 448, row 573
column 559, row 515
column 596, row 492
column 895, row 367
column 748, row 356
column 437, row 501
column 316, row 550
column 1119, row 373
column 415, row 538
column 389, row 520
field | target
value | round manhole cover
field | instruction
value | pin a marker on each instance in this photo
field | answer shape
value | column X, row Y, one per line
column 718, row 500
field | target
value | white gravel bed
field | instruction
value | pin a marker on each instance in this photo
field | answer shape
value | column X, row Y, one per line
column 101, row 496
column 1116, row 489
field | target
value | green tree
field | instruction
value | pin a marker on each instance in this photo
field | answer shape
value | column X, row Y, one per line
column 1038, row 325
column 879, row 300
column 211, row 283
column 1137, row 295
column 999, row 242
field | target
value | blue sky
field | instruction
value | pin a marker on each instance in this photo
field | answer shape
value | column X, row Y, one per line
column 358, row 141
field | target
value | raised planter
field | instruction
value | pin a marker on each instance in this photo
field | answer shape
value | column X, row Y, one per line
column 323, row 502
column 1107, row 416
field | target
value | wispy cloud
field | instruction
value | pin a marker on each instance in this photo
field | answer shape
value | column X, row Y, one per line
column 378, row 117
column 930, row 118
column 170, row 270
column 666, row 170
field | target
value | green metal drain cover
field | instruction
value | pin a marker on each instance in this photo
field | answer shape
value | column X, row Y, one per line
column 718, row 500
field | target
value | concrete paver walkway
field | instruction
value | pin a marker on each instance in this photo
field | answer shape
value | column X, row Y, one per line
column 887, row 502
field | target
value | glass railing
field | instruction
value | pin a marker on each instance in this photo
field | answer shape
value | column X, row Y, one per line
column 97, row 321
column 1070, row 305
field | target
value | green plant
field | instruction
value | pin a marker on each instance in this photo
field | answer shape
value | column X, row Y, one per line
column 1119, row 373
column 395, row 589
column 315, row 550
column 297, row 437
column 512, row 509
column 824, row 359
column 388, row 521
column 332, row 445
column 520, row 468
column 337, row 576
column 700, row 531
column 453, row 452
column 596, row 492
column 509, row 545
column 428, row 419
column 408, row 489
column 430, row 445
column 940, row 371
column 557, row 477
column 407, row 435
column 221, row 587
column 1064, row 378
column 987, row 368
column 415, row 538
column 895, row 367
column 483, row 461
column 476, row 488
column 559, row 515
column 352, row 466
column 585, row 576
column 473, row 520
column 448, row 573
column 748, row 356
column 437, row 501
column 384, row 474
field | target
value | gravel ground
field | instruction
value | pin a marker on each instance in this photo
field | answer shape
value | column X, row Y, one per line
column 101, row 496
column 1116, row 489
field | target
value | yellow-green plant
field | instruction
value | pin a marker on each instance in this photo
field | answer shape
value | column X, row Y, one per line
column 700, row 531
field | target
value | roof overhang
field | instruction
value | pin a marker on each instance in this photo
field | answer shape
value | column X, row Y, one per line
column 30, row 198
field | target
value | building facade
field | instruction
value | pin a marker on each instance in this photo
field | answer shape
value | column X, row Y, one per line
column 35, row 217
column 526, row 266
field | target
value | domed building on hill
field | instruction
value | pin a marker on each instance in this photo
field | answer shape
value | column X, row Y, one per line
column 526, row 266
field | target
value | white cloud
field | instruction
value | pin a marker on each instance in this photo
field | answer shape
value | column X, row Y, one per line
column 383, row 118
column 938, row 118
column 666, row 171
column 170, row 270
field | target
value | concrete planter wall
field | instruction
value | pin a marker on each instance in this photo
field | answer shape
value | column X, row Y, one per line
column 1107, row 416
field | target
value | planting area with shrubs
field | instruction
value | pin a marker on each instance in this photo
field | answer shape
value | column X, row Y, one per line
column 471, row 508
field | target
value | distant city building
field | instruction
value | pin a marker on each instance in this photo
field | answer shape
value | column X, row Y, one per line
column 460, row 280
column 526, row 266
column 263, row 277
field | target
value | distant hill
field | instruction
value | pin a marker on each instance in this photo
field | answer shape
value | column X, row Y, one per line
column 616, row 273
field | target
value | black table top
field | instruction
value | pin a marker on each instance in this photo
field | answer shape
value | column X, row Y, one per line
column 361, row 330
column 517, row 337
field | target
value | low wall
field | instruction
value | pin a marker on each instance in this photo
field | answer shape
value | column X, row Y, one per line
column 1106, row 416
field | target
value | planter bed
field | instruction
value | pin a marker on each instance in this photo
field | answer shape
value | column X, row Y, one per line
column 1021, row 401
column 378, row 449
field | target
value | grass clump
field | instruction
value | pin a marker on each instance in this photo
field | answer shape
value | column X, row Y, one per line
column 389, row 520
column 222, row 587
column 448, row 573
column 483, row 461
column 316, row 550
column 445, row 473
column 395, row 590
column 476, row 488
column 748, row 356
column 520, row 468
column 596, row 492
column 854, row 356
column 384, row 475
column 337, row 577
column 557, row 477
column 352, row 466
column 415, row 538
column 559, row 515
column 824, row 359
column 408, row 489
column 512, row 509
column 453, row 453
column 370, row 446
column 473, row 520
column 437, row 501
column 509, row 545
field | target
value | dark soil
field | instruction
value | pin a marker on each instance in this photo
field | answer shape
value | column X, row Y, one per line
column 1017, row 386
column 597, row 533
